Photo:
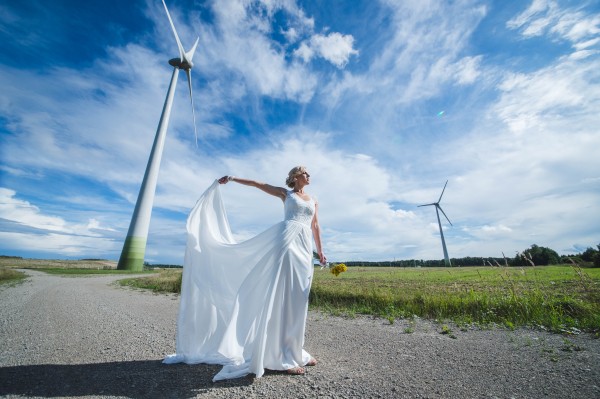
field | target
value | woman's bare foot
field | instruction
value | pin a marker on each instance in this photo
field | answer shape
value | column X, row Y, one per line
column 296, row 371
column 312, row 362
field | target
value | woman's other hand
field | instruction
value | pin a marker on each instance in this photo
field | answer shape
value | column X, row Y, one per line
column 322, row 258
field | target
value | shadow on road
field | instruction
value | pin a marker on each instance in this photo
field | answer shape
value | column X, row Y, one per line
column 135, row 379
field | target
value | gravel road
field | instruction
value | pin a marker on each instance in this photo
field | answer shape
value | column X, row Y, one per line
column 87, row 337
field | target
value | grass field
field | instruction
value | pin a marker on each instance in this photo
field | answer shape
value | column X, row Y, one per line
column 555, row 297
column 167, row 280
column 21, row 263
column 87, row 272
column 61, row 267
column 559, row 298
column 10, row 276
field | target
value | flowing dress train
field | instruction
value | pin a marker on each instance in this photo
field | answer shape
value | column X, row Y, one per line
column 244, row 305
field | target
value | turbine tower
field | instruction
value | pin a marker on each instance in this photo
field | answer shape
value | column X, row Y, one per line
column 439, row 209
column 134, row 248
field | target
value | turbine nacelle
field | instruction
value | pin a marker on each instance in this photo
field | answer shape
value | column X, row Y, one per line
column 185, row 60
column 178, row 63
column 437, row 204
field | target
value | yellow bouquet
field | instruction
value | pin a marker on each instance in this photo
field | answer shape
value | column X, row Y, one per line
column 334, row 268
column 338, row 268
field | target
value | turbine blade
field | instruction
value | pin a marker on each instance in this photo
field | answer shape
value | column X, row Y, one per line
column 188, row 72
column 440, row 208
column 443, row 191
column 190, row 54
column 433, row 203
column 181, row 52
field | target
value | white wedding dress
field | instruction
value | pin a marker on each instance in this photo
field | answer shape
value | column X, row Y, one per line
column 244, row 305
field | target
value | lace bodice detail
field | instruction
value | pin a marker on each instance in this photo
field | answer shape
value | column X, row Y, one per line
column 297, row 209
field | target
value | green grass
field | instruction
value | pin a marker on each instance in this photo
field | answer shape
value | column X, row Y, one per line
column 85, row 272
column 21, row 263
column 67, row 267
column 554, row 297
column 167, row 281
column 9, row 276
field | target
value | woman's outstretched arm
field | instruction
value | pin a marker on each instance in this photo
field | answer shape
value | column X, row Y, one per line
column 279, row 192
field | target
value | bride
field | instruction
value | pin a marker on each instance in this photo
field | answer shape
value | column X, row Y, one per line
column 244, row 305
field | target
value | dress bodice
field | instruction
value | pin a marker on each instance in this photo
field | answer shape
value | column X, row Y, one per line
column 297, row 209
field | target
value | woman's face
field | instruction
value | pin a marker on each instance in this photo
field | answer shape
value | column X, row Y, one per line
column 304, row 178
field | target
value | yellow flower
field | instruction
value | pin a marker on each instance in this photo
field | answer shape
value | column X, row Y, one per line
column 339, row 268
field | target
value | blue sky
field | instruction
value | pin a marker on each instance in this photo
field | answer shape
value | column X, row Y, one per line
column 383, row 101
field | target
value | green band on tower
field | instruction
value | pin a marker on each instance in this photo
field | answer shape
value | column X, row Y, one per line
column 132, row 256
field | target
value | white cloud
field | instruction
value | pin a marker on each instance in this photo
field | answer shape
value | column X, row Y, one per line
column 59, row 245
column 23, row 212
column 418, row 59
column 334, row 47
column 576, row 26
column 291, row 35
column 531, row 101
column 467, row 70
column 31, row 228
column 526, row 17
column 546, row 17
column 241, row 44
column 486, row 229
column 20, row 172
column 94, row 224
column 528, row 168
column 103, row 126
column 587, row 44
column 305, row 52
column 581, row 54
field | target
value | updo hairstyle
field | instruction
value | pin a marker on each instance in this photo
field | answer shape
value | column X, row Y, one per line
column 291, row 179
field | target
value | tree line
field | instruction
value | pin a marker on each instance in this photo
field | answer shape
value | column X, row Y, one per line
column 533, row 256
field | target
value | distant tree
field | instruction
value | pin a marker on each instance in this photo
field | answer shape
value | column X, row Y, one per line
column 521, row 259
column 566, row 259
column 540, row 256
column 596, row 258
column 588, row 254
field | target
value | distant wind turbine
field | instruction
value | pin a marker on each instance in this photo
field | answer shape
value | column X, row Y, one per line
column 438, row 207
column 134, row 248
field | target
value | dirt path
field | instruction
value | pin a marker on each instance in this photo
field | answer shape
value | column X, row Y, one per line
column 86, row 337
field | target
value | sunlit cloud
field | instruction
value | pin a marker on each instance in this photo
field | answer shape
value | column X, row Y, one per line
column 23, row 212
column 334, row 47
column 547, row 17
column 26, row 226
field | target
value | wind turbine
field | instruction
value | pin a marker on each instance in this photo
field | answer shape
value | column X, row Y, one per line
column 438, row 207
column 134, row 248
